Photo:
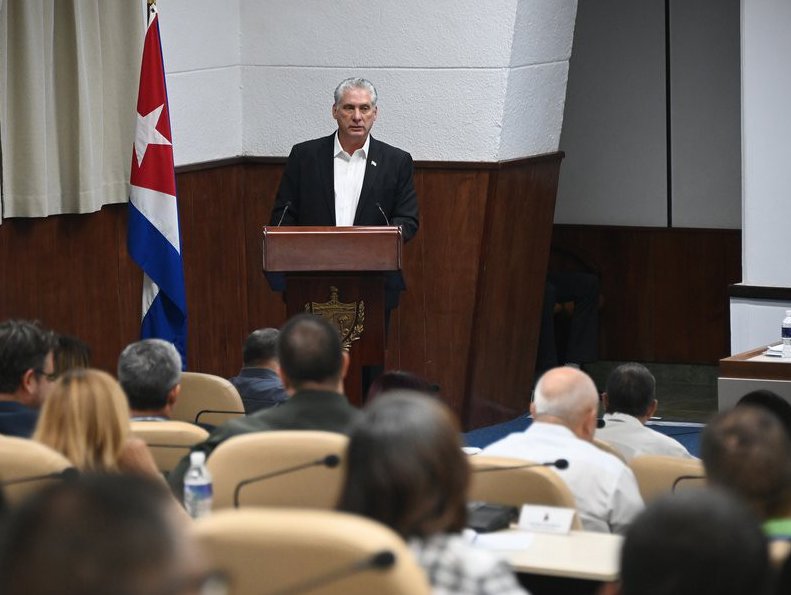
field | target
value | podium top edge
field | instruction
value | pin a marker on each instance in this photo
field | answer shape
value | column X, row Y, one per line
column 330, row 229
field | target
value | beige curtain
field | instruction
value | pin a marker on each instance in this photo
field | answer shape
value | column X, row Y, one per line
column 68, row 89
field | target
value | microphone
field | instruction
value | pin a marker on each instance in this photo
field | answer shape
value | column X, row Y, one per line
column 381, row 210
column 283, row 214
column 380, row 561
column 330, row 461
column 67, row 474
column 558, row 464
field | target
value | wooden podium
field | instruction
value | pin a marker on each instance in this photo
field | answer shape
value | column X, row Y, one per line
column 338, row 273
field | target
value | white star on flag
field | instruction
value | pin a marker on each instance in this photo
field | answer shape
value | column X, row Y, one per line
column 146, row 133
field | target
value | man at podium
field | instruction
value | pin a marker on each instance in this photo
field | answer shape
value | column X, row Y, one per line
column 349, row 177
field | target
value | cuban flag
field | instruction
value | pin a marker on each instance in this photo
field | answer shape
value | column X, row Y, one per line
column 154, row 239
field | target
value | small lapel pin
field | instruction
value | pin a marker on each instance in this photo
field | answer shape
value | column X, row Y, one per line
column 373, row 162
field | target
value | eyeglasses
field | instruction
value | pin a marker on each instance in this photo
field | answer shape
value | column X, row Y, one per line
column 51, row 376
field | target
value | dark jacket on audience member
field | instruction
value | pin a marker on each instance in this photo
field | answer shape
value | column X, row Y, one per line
column 305, row 410
column 16, row 419
column 260, row 388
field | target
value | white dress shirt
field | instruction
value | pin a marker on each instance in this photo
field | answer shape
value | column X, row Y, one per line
column 349, row 171
column 605, row 490
column 631, row 438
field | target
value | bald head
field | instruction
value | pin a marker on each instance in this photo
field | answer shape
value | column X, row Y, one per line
column 567, row 396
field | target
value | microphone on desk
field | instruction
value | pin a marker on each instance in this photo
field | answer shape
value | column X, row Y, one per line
column 558, row 464
column 382, row 560
column 283, row 214
column 67, row 474
column 381, row 210
column 330, row 461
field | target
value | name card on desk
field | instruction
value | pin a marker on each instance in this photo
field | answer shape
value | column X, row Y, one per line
column 546, row 519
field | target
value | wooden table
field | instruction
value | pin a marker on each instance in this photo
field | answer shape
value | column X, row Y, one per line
column 579, row 554
column 751, row 370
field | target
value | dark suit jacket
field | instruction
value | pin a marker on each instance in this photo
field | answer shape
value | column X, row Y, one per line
column 308, row 187
column 305, row 410
column 260, row 388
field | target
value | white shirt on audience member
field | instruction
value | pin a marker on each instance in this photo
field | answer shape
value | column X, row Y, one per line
column 605, row 490
column 631, row 438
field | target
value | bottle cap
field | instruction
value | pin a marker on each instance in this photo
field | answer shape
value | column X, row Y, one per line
column 197, row 457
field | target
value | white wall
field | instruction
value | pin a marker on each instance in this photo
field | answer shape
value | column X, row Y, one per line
column 614, row 130
column 706, row 113
column 755, row 323
column 766, row 166
column 766, row 142
column 458, row 80
column 614, row 172
column 200, row 44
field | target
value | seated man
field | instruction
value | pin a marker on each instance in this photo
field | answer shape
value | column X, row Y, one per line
column 564, row 411
column 630, row 401
column 583, row 340
column 313, row 365
column 748, row 451
column 26, row 375
column 698, row 542
column 149, row 371
column 258, row 382
column 96, row 535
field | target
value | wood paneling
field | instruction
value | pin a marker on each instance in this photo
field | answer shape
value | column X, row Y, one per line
column 665, row 291
column 474, row 275
column 510, row 289
column 72, row 273
column 432, row 328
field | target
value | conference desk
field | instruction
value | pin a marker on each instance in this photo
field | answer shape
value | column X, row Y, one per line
column 751, row 370
column 576, row 562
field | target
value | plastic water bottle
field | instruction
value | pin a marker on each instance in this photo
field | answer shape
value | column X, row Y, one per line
column 197, row 486
column 787, row 335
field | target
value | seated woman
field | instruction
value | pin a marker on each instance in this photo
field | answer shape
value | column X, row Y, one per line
column 86, row 419
column 406, row 470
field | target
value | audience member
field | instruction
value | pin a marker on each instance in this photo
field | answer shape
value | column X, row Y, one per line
column 26, row 375
column 406, row 470
column 583, row 341
column 398, row 380
column 87, row 421
column 98, row 535
column 259, row 382
column 312, row 365
column 564, row 411
column 747, row 450
column 70, row 352
column 150, row 374
column 701, row 542
column 771, row 401
column 630, row 401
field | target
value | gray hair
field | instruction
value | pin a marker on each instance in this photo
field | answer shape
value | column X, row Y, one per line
column 565, row 393
column 148, row 370
column 355, row 83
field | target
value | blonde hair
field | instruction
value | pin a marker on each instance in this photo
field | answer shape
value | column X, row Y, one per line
column 85, row 418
